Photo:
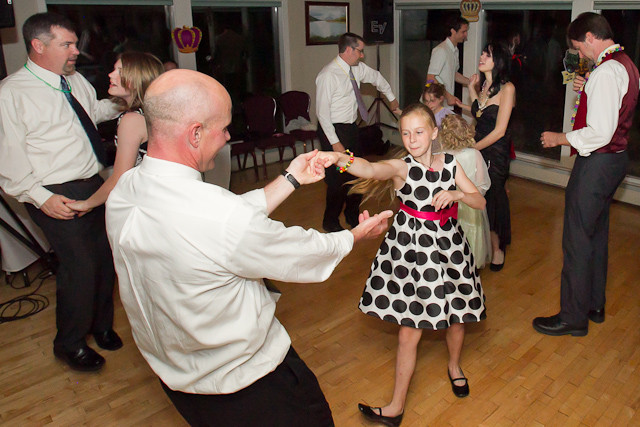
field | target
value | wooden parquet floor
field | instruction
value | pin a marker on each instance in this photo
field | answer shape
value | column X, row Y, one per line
column 517, row 376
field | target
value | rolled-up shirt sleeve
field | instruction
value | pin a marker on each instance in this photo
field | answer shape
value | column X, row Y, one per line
column 605, row 89
column 369, row 75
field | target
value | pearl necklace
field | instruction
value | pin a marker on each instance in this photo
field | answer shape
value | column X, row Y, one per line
column 483, row 98
column 577, row 104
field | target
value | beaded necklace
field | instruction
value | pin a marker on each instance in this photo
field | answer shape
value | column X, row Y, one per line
column 577, row 104
column 45, row 82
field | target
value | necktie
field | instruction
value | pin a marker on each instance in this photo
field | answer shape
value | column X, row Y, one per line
column 364, row 114
column 87, row 123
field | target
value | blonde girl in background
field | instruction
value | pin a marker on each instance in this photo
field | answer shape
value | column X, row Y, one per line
column 457, row 138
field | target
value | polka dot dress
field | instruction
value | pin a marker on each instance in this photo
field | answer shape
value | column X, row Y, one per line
column 423, row 274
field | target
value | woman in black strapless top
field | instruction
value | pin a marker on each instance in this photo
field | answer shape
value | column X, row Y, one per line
column 492, row 110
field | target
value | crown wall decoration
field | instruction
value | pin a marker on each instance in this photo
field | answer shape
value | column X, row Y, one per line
column 470, row 9
column 187, row 38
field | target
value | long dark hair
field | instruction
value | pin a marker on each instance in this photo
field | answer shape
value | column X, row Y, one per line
column 499, row 52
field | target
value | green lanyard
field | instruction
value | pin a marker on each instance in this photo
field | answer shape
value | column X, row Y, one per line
column 43, row 81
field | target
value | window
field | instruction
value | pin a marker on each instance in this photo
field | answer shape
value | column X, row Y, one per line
column 536, row 72
column 239, row 48
column 421, row 31
column 106, row 31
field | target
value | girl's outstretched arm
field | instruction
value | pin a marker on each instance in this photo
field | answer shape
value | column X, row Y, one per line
column 468, row 193
column 395, row 169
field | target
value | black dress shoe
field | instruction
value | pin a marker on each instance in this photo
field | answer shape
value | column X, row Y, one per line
column 596, row 316
column 83, row 359
column 330, row 227
column 108, row 340
column 370, row 414
column 553, row 325
column 459, row 390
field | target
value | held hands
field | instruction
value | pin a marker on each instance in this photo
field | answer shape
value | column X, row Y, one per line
column 305, row 168
column 56, row 207
column 324, row 159
column 81, row 207
column 371, row 226
column 444, row 199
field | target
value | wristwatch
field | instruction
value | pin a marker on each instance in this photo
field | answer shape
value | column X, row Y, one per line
column 291, row 179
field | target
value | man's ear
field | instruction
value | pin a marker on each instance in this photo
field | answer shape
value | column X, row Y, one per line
column 589, row 37
column 195, row 134
column 38, row 46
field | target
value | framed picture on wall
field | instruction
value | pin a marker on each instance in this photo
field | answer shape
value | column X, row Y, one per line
column 325, row 21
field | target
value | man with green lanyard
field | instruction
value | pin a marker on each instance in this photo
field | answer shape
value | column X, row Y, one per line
column 50, row 155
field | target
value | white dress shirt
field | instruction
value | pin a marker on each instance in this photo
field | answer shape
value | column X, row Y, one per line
column 444, row 64
column 42, row 141
column 605, row 88
column 190, row 258
column 335, row 98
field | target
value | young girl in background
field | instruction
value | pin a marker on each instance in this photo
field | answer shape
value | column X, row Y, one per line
column 457, row 138
column 433, row 97
column 422, row 276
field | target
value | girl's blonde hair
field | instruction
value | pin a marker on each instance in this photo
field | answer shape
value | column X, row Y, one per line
column 456, row 133
column 383, row 191
column 139, row 69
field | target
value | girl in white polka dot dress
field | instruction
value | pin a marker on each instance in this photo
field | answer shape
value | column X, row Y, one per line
column 423, row 275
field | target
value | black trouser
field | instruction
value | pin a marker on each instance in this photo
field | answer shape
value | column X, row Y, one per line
column 85, row 276
column 337, row 197
column 585, row 237
column 289, row 396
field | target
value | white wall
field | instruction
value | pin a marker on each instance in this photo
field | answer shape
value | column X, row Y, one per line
column 15, row 53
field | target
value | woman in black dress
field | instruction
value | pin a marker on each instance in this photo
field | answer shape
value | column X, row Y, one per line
column 492, row 108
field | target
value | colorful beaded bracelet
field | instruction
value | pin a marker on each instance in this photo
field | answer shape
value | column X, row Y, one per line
column 342, row 169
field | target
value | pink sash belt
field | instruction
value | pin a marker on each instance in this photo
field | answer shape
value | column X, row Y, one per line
column 442, row 215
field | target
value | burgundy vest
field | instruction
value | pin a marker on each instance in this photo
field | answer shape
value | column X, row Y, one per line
column 619, row 139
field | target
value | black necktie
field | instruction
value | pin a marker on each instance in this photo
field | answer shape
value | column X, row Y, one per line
column 87, row 123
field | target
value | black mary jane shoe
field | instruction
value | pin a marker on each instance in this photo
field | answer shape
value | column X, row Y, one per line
column 369, row 413
column 459, row 390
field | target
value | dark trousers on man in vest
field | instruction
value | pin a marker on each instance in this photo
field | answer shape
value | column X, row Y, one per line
column 337, row 196
column 594, row 179
column 85, row 275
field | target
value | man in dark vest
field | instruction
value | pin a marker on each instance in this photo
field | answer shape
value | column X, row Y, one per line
column 600, row 140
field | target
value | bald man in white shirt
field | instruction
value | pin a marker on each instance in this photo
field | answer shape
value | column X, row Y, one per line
column 190, row 258
column 47, row 160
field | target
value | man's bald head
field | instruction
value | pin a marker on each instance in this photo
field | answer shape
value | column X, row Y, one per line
column 180, row 96
column 186, row 113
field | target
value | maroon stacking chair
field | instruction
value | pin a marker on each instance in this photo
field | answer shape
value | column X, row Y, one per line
column 260, row 116
column 294, row 104
column 246, row 148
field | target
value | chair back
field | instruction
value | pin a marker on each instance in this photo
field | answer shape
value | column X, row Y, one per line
column 260, row 111
column 294, row 104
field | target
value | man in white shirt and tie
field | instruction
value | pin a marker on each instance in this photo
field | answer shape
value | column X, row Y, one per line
column 190, row 258
column 445, row 62
column 48, row 159
column 338, row 101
